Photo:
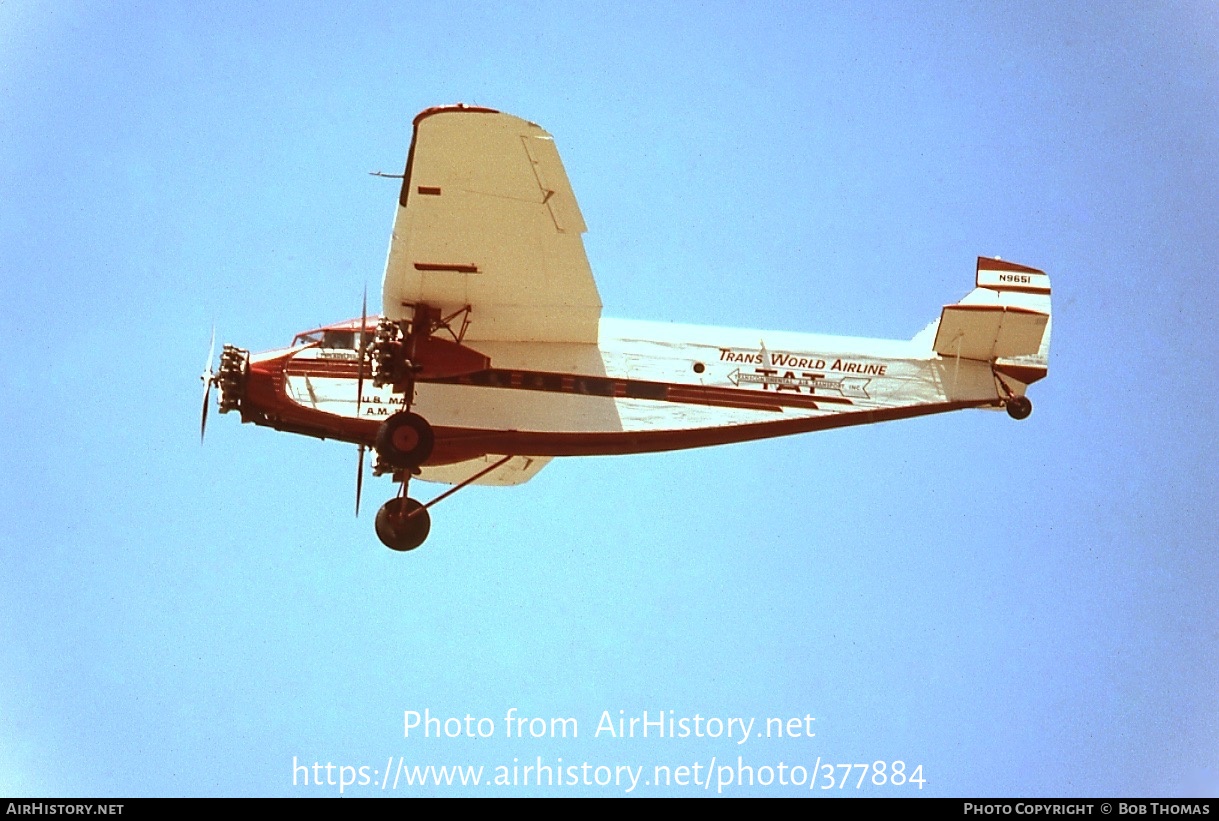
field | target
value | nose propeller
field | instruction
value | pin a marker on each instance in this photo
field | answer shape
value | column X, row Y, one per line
column 209, row 378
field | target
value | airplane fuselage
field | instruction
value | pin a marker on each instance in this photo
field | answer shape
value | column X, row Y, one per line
column 646, row 386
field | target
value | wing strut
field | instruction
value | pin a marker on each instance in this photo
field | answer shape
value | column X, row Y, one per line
column 456, row 488
column 403, row 523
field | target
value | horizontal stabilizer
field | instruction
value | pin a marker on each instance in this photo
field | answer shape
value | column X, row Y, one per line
column 988, row 332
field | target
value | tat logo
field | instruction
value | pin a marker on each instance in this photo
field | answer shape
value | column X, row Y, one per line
column 851, row 387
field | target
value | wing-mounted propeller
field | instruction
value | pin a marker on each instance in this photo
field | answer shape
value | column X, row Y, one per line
column 359, row 480
column 362, row 352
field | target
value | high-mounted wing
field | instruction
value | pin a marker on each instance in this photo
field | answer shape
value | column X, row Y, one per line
column 487, row 219
column 516, row 471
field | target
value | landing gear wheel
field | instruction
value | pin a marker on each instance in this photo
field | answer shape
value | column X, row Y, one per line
column 1019, row 407
column 398, row 532
column 405, row 440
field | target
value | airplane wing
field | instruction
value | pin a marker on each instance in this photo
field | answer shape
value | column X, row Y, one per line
column 487, row 219
column 517, row 470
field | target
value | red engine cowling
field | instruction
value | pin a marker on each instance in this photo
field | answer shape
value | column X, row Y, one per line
column 438, row 358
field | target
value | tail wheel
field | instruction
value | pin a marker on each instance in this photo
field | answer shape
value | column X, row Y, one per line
column 405, row 440
column 1019, row 407
column 403, row 524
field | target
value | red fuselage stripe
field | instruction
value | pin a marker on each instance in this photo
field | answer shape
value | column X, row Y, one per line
column 744, row 398
column 267, row 403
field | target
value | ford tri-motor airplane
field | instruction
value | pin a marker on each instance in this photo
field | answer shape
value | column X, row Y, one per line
column 491, row 356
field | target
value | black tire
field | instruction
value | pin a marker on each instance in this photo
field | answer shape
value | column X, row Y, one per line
column 405, row 440
column 396, row 531
column 1019, row 407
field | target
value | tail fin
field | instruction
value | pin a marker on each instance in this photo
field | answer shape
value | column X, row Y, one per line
column 1004, row 320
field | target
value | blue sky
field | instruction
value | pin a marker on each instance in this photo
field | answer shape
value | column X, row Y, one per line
column 1021, row 608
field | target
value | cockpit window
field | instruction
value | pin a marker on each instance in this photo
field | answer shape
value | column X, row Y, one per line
column 345, row 340
column 307, row 339
column 329, row 338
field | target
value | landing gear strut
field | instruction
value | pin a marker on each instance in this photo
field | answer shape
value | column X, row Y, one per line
column 405, row 440
column 1017, row 405
column 403, row 523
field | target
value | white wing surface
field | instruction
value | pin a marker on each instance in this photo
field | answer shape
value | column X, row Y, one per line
column 487, row 219
column 516, row 471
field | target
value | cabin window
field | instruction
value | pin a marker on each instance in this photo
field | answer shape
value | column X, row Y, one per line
column 345, row 340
